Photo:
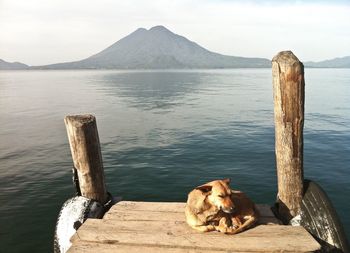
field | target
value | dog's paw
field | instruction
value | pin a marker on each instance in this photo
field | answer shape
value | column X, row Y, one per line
column 236, row 223
column 234, row 226
column 221, row 229
column 210, row 228
column 225, row 226
column 223, row 222
column 227, row 230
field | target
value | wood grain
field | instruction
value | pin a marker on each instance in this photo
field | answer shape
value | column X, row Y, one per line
column 139, row 230
column 288, row 90
column 86, row 153
column 128, row 211
column 93, row 247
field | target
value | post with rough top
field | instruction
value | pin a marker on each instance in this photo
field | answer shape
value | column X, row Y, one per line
column 86, row 153
column 288, row 90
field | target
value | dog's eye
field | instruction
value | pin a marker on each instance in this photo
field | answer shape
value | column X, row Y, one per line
column 221, row 196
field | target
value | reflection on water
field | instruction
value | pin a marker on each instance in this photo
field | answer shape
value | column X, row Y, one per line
column 162, row 133
column 148, row 91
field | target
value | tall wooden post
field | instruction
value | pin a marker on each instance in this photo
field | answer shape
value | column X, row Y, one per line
column 288, row 89
column 85, row 147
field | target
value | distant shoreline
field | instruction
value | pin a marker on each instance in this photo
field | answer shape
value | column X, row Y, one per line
column 156, row 70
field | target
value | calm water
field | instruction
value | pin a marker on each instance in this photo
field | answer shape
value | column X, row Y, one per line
column 162, row 133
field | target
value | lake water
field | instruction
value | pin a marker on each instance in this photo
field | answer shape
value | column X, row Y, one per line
column 162, row 133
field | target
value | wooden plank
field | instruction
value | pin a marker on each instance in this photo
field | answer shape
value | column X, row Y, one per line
column 132, row 215
column 148, row 206
column 160, row 211
column 179, row 235
column 265, row 210
column 266, row 215
column 93, row 247
column 269, row 221
column 177, row 207
column 288, row 90
column 171, row 216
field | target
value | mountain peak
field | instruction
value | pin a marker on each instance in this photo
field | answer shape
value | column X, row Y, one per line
column 12, row 65
column 159, row 28
column 141, row 29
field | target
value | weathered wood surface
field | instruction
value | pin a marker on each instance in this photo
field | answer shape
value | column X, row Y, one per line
column 172, row 211
column 288, row 90
column 161, row 227
column 85, row 148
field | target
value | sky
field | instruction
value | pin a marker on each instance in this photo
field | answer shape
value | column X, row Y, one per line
column 39, row 32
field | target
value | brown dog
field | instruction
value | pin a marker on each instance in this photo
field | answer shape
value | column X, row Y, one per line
column 215, row 206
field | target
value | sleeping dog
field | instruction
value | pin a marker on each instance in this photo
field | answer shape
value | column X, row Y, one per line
column 215, row 206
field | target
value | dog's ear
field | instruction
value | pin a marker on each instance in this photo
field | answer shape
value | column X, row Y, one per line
column 205, row 188
column 226, row 181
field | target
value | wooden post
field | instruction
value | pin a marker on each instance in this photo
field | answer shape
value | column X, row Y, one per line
column 288, row 89
column 85, row 147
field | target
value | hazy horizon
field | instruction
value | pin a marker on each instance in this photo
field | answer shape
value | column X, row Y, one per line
column 38, row 32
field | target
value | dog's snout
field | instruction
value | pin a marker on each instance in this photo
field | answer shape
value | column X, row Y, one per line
column 229, row 209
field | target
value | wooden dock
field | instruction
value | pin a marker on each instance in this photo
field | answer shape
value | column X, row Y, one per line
column 154, row 227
